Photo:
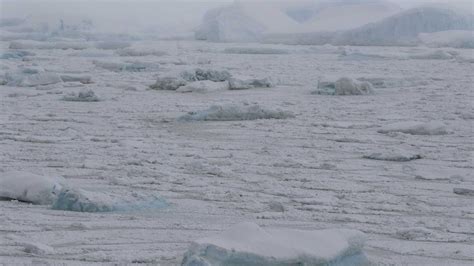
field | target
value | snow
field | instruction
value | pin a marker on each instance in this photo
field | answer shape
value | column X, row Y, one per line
column 84, row 79
column 168, row 83
column 416, row 128
column 245, row 84
column 28, row 187
column 435, row 55
column 216, row 174
column 344, row 86
column 234, row 113
column 206, row 74
column 112, row 45
column 24, row 78
column 249, row 244
column 79, row 200
column 15, row 54
column 132, row 51
column 250, row 21
column 449, row 38
column 48, row 45
column 403, row 28
column 204, row 86
column 82, row 96
column 120, row 66
column 254, row 50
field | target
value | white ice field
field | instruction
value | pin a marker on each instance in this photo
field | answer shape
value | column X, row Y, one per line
column 395, row 164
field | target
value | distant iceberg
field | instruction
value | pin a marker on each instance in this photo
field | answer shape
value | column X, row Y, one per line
column 248, row 244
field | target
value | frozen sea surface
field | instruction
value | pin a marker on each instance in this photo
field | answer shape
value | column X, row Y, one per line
column 307, row 172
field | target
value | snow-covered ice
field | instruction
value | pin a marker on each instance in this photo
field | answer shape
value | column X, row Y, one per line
column 235, row 113
column 249, row 244
column 344, row 86
column 80, row 200
column 416, row 128
column 82, row 96
column 204, row 86
column 28, row 187
column 304, row 173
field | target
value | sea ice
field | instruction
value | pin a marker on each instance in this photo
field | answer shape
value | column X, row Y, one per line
column 344, row 86
column 235, row 113
column 112, row 45
column 27, row 78
column 416, row 128
column 84, row 79
column 130, row 51
column 436, row 55
column 120, row 66
column 28, row 187
column 206, row 74
column 204, row 86
column 168, row 83
column 249, row 244
column 16, row 54
column 255, row 50
column 82, row 96
column 80, row 200
column 245, row 84
column 393, row 156
column 23, row 44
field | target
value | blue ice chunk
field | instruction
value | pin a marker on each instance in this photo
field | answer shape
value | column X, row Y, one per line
column 96, row 201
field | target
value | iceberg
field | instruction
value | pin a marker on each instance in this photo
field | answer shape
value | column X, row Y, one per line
column 249, row 244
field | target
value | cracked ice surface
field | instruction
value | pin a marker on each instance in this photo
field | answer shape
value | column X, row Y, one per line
column 216, row 174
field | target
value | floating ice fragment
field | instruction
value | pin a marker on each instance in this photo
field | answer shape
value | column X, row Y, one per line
column 28, row 187
column 235, row 113
column 82, row 96
column 416, row 128
column 344, row 86
column 249, row 244
column 80, row 200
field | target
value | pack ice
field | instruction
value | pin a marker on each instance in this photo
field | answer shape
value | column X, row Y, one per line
column 234, row 113
column 28, row 187
column 249, row 244
column 416, row 128
column 344, row 86
column 80, row 200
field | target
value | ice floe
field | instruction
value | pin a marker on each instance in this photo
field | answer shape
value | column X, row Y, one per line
column 31, row 77
column 245, row 84
column 344, row 86
column 28, row 187
column 80, row 200
column 416, row 128
column 235, row 113
column 204, row 86
column 168, row 83
column 249, row 244
column 82, row 96
column 206, row 74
